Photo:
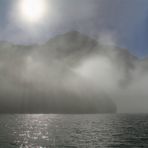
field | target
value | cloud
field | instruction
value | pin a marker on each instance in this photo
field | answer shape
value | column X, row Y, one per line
column 72, row 73
column 41, row 78
column 73, row 64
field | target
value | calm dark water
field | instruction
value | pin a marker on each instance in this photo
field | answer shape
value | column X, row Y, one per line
column 74, row 131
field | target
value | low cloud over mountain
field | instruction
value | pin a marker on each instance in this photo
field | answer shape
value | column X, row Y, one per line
column 71, row 73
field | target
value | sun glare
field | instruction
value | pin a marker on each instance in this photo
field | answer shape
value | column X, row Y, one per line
column 32, row 10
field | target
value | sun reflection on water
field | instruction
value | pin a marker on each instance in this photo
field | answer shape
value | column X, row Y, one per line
column 75, row 131
column 34, row 130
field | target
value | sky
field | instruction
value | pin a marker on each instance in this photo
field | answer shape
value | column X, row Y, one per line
column 80, row 56
column 126, row 20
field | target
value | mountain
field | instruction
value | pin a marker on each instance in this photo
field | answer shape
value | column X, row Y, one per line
column 44, row 78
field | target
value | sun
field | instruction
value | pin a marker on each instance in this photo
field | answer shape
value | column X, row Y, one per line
column 32, row 10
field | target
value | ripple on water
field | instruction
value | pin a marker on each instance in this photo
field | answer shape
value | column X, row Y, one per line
column 73, row 131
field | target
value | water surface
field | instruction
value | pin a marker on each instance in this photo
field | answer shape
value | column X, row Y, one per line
column 74, row 131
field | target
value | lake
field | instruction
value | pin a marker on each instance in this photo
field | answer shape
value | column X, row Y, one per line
column 74, row 131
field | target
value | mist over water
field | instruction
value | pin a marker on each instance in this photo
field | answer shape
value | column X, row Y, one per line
column 72, row 73
column 44, row 69
column 44, row 78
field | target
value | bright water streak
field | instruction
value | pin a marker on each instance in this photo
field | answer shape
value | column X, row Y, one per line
column 73, row 131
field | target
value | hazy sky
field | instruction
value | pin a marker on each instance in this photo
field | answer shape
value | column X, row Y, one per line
column 126, row 20
column 90, row 70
